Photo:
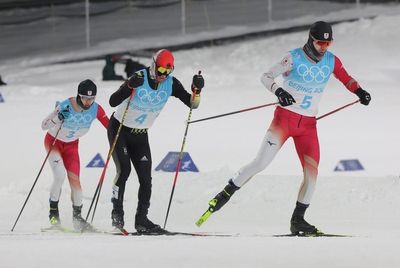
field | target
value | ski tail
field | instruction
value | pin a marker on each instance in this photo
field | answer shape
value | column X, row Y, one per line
column 120, row 231
column 59, row 228
column 314, row 234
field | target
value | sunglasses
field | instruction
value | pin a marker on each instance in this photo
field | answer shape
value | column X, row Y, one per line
column 322, row 43
column 87, row 98
column 164, row 71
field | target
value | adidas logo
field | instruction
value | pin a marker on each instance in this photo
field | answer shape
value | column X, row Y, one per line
column 144, row 158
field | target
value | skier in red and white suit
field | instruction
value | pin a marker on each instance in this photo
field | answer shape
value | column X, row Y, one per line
column 73, row 118
column 306, row 72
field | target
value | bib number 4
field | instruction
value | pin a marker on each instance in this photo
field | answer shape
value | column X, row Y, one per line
column 140, row 119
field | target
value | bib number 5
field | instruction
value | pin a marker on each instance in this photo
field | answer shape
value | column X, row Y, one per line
column 306, row 103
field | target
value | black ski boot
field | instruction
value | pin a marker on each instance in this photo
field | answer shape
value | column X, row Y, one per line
column 117, row 217
column 80, row 224
column 54, row 215
column 117, row 214
column 144, row 225
column 221, row 198
column 298, row 225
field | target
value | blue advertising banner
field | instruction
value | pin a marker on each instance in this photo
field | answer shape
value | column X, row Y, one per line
column 168, row 164
column 96, row 162
column 349, row 165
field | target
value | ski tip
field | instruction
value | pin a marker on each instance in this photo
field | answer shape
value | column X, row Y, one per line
column 203, row 218
column 199, row 223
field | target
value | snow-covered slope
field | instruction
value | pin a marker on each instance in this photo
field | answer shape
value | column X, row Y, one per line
column 363, row 203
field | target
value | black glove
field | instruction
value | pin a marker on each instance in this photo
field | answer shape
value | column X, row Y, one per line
column 136, row 80
column 285, row 99
column 197, row 83
column 64, row 113
column 363, row 95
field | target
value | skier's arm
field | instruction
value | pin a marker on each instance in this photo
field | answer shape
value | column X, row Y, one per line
column 341, row 74
column 125, row 90
column 102, row 117
column 120, row 95
column 51, row 120
column 350, row 83
column 190, row 100
column 283, row 67
column 268, row 80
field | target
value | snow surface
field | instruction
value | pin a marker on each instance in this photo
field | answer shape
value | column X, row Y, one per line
column 364, row 204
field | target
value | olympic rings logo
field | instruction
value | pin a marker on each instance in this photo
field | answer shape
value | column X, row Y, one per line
column 151, row 98
column 80, row 120
column 314, row 73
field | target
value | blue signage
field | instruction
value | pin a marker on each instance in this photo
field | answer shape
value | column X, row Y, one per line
column 349, row 165
column 168, row 164
column 96, row 162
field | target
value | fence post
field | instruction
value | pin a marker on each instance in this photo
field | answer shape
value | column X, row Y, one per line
column 269, row 10
column 87, row 23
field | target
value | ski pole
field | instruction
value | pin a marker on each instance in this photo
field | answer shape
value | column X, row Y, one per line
column 178, row 165
column 338, row 109
column 37, row 177
column 103, row 173
column 235, row 112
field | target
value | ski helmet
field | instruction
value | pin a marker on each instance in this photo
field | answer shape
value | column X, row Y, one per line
column 162, row 65
column 321, row 30
column 86, row 90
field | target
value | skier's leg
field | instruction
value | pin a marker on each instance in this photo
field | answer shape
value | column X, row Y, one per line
column 58, row 169
column 273, row 140
column 57, row 166
column 270, row 146
column 72, row 165
column 122, row 163
column 307, row 147
column 141, row 159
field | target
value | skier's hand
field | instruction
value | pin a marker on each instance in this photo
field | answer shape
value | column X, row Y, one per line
column 197, row 83
column 64, row 113
column 284, row 97
column 363, row 95
column 136, row 80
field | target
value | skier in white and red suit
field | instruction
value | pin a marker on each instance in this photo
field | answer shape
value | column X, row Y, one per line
column 75, row 116
column 305, row 72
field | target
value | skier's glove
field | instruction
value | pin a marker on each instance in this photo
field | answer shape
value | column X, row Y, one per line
column 363, row 95
column 136, row 80
column 64, row 113
column 285, row 99
column 197, row 83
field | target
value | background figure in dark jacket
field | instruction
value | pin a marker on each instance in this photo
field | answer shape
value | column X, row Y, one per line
column 132, row 66
column 109, row 71
column 150, row 89
column 2, row 83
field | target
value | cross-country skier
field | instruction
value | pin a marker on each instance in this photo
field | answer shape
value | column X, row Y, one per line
column 75, row 116
column 151, row 87
column 305, row 72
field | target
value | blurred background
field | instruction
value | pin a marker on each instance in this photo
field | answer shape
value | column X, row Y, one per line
column 43, row 27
